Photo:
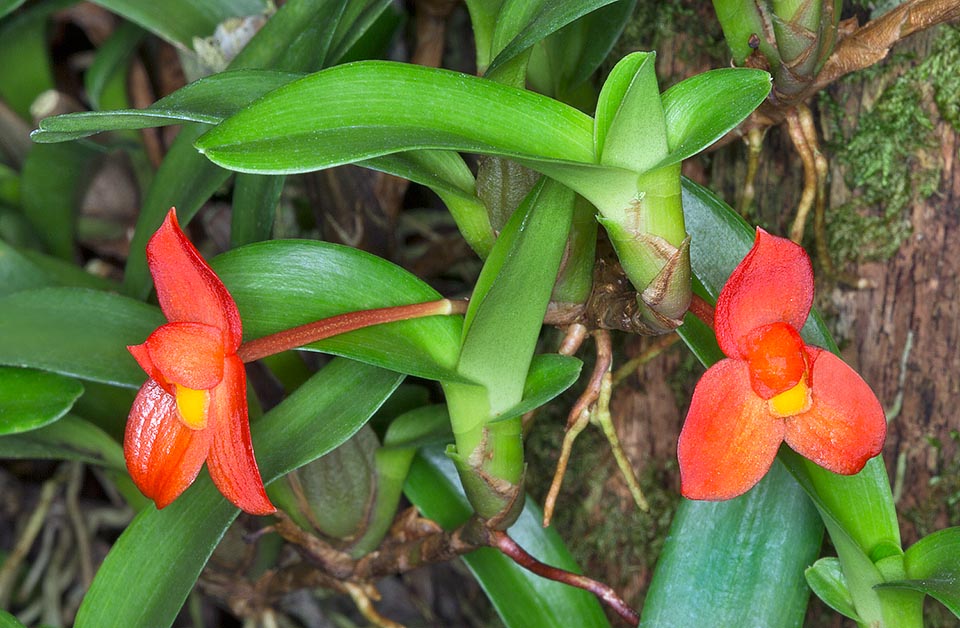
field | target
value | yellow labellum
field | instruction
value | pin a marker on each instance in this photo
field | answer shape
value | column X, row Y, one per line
column 192, row 405
column 791, row 402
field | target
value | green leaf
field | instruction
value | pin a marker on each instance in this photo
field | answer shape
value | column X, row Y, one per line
column 112, row 57
column 509, row 300
column 17, row 272
column 701, row 109
column 159, row 556
column 208, row 100
column 76, row 332
column 933, row 567
column 549, row 375
column 285, row 283
column 179, row 21
column 53, row 182
column 549, row 18
column 6, row 619
column 826, row 579
column 7, row 7
column 70, row 438
column 739, row 562
column 255, row 200
column 30, row 399
column 295, row 39
column 368, row 109
column 25, row 67
column 522, row 599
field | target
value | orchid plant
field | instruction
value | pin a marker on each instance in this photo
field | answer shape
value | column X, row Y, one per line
column 571, row 199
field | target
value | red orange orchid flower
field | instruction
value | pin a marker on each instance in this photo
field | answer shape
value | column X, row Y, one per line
column 773, row 387
column 193, row 407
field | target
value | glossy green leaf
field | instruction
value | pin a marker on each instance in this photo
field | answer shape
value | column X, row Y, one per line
column 522, row 599
column 76, row 332
column 70, row 438
column 826, row 579
column 509, row 300
column 285, row 283
column 295, row 39
column 549, row 375
column 551, row 17
column 367, row 109
column 53, row 182
column 179, row 21
column 159, row 556
column 630, row 131
column 30, row 399
column 208, row 100
column 701, row 109
column 738, row 562
column 255, row 200
column 933, row 567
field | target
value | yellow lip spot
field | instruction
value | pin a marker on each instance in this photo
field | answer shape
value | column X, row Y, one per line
column 791, row 402
column 192, row 405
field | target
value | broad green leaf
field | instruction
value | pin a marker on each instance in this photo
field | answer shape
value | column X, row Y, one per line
column 549, row 18
column 509, row 300
column 208, row 100
column 63, row 273
column 179, row 21
column 285, row 283
column 255, row 200
column 113, row 56
column 70, row 438
column 630, row 131
column 738, row 562
column 30, row 399
column 701, row 109
column 295, row 39
column 25, row 66
column 368, row 109
column 826, row 579
column 76, row 332
column 159, row 556
column 53, row 182
column 933, row 567
column 862, row 504
column 17, row 272
column 522, row 599
column 549, row 375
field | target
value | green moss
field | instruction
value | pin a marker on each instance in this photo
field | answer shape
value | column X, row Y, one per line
column 890, row 159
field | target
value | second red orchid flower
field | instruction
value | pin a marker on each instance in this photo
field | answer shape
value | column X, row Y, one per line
column 773, row 387
column 193, row 409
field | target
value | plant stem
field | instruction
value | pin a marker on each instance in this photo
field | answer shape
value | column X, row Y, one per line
column 343, row 323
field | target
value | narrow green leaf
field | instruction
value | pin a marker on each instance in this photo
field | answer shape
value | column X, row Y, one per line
column 70, row 438
column 76, row 332
column 549, row 375
column 551, row 17
column 25, row 67
column 522, row 599
column 285, row 283
column 30, row 399
column 360, row 19
column 179, row 21
column 511, row 295
column 6, row 619
column 367, row 109
column 63, row 273
column 208, row 100
column 738, row 562
column 53, row 182
column 826, row 579
column 255, row 200
column 701, row 109
column 159, row 556
column 113, row 56
column 7, row 7
column 17, row 272
column 933, row 567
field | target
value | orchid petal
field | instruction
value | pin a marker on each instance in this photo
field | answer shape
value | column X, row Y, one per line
column 189, row 354
column 845, row 426
column 773, row 283
column 162, row 455
column 776, row 357
column 729, row 439
column 231, row 463
column 141, row 354
column 187, row 288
